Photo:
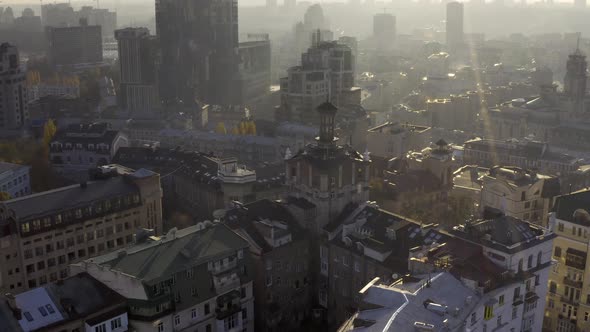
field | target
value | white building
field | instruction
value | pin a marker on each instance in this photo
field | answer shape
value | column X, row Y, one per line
column 15, row 179
column 489, row 275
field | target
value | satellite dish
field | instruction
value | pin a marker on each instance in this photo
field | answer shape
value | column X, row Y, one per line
column 395, row 276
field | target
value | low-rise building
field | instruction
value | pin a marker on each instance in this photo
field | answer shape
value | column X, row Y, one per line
column 197, row 278
column 568, row 299
column 282, row 263
column 519, row 193
column 78, row 303
column 392, row 139
column 524, row 154
column 42, row 233
column 15, row 179
column 81, row 147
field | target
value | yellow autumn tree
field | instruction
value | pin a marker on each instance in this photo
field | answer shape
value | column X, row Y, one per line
column 49, row 130
column 251, row 128
column 220, row 128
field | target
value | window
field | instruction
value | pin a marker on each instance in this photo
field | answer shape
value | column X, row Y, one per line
column 357, row 266
column 514, row 312
column 499, row 320
column 557, row 252
column 190, row 273
column 230, row 322
column 560, row 227
column 488, row 312
column 161, row 327
column 42, row 311
column 530, row 262
column 176, row 320
column 207, row 309
column 193, row 313
column 586, row 316
column 50, row 308
column 101, row 328
column 208, row 328
column 552, row 287
column 116, row 323
column 28, row 316
column 501, row 300
column 473, row 318
column 193, row 291
column 244, row 314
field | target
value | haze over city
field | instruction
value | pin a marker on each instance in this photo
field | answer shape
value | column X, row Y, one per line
column 263, row 166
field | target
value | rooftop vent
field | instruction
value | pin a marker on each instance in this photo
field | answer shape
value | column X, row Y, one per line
column 423, row 327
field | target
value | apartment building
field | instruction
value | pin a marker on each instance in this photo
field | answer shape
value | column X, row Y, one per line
column 41, row 234
column 281, row 255
column 519, row 193
column 568, row 299
column 195, row 279
column 15, row 179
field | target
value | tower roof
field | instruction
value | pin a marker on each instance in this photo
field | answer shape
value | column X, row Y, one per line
column 327, row 107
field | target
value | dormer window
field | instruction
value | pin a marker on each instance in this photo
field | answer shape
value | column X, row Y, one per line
column 90, row 146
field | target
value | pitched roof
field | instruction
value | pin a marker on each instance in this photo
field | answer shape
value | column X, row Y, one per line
column 49, row 202
column 173, row 252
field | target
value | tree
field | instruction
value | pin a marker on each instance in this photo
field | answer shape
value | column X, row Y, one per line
column 49, row 130
column 4, row 196
column 220, row 128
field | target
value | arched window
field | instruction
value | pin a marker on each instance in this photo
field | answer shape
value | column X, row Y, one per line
column 530, row 262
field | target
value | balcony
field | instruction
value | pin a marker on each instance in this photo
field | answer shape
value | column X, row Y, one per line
column 217, row 269
column 568, row 300
column 517, row 300
column 226, row 283
column 572, row 283
column 228, row 304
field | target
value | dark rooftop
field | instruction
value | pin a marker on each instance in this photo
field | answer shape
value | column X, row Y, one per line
column 574, row 207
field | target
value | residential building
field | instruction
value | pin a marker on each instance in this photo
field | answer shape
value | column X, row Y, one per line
column 197, row 278
column 454, row 24
column 526, row 154
column 393, row 139
column 384, row 31
column 15, row 179
column 78, row 303
column 326, row 73
column 14, row 110
column 325, row 177
column 62, row 14
column 567, row 300
column 202, row 183
column 75, row 45
column 81, row 147
column 362, row 243
column 282, row 262
column 519, row 193
column 137, row 60
column 199, row 58
column 42, row 233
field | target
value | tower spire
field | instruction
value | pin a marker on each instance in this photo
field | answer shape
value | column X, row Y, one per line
column 327, row 112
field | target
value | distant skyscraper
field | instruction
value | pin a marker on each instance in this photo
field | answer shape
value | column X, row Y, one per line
column 199, row 45
column 384, row 30
column 14, row 111
column 455, row 32
column 314, row 18
column 75, row 44
column 575, row 77
column 137, row 59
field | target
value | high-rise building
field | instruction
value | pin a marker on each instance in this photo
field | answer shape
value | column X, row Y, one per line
column 575, row 78
column 326, row 72
column 199, row 45
column 455, row 32
column 75, row 45
column 63, row 15
column 41, row 234
column 384, row 30
column 137, row 59
column 14, row 111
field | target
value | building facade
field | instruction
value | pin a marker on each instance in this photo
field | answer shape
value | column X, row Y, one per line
column 138, row 61
column 197, row 278
column 454, row 24
column 75, row 45
column 567, row 302
column 43, row 233
column 14, row 111
column 519, row 193
column 281, row 254
column 81, row 147
column 15, row 180
column 384, row 31
column 393, row 139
